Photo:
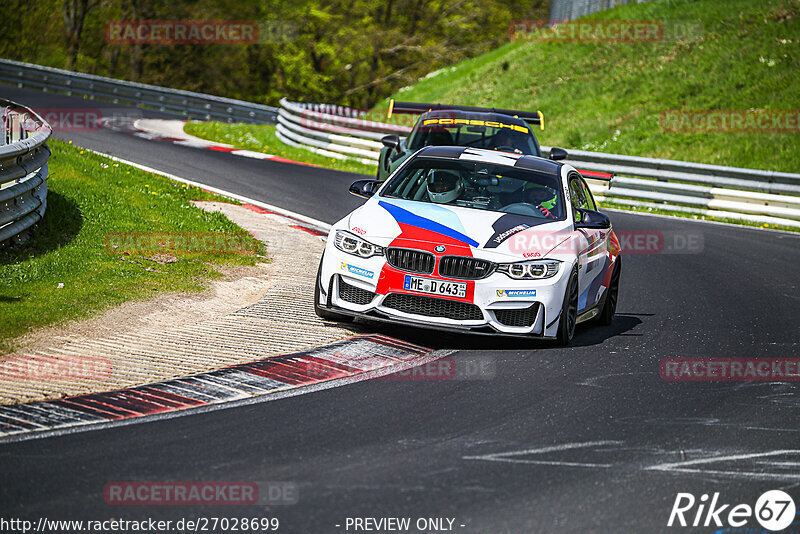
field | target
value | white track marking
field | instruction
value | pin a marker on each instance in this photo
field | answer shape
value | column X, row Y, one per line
column 313, row 222
column 779, row 464
column 509, row 456
column 174, row 130
column 193, row 144
column 688, row 466
column 147, row 135
column 251, row 154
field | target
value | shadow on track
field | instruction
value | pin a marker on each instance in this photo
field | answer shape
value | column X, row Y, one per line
column 587, row 334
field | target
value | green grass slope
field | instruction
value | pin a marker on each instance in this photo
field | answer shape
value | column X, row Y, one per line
column 609, row 96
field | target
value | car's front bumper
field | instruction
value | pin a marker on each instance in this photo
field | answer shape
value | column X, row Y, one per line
column 495, row 305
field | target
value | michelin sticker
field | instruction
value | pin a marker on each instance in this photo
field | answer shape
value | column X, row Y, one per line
column 516, row 293
column 357, row 270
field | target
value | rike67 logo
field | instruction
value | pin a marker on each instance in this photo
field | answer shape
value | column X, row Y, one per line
column 774, row 510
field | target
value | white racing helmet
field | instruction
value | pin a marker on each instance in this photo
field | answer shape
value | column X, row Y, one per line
column 444, row 186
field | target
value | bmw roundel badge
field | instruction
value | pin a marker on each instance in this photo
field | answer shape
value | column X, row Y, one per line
column 439, row 248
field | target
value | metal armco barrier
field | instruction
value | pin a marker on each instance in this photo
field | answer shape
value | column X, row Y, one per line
column 333, row 131
column 710, row 190
column 184, row 103
column 23, row 171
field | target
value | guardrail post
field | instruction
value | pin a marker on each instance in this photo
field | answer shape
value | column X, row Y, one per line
column 4, row 138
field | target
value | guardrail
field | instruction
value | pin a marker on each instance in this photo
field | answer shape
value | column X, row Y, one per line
column 23, row 171
column 710, row 190
column 333, row 131
column 184, row 103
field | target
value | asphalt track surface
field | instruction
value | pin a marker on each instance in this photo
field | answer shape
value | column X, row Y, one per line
column 586, row 424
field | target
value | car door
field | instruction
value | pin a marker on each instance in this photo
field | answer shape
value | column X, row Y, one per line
column 591, row 248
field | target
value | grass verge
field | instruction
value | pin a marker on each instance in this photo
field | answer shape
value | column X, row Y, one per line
column 70, row 270
column 262, row 138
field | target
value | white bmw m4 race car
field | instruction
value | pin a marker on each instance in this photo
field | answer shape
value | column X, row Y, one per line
column 473, row 240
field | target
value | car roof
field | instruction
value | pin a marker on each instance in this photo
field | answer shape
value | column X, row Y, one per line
column 475, row 115
column 533, row 163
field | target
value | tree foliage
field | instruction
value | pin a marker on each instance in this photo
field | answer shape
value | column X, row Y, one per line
column 351, row 52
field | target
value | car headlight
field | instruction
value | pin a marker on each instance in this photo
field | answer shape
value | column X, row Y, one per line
column 530, row 270
column 352, row 244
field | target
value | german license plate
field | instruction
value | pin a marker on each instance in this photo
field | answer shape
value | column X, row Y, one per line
column 435, row 287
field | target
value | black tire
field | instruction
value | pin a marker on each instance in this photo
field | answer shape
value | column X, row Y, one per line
column 322, row 313
column 569, row 312
column 606, row 316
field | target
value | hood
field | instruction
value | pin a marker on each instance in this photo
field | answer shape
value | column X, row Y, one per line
column 496, row 235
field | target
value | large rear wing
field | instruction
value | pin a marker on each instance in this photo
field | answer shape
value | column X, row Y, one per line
column 417, row 108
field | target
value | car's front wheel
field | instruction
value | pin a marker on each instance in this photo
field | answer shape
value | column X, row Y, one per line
column 606, row 317
column 569, row 312
column 323, row 313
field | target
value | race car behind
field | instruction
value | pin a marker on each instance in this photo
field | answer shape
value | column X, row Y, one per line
column 503, row 130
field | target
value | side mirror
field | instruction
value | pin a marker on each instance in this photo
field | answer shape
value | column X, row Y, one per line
column 391, row 141
column 365, row 188
column 557, row 153
column 592, row 220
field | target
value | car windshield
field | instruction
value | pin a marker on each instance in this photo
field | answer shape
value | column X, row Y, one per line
column 479, row 185
column 488, row 134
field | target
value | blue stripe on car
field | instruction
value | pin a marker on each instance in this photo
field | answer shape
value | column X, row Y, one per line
column 404, row 216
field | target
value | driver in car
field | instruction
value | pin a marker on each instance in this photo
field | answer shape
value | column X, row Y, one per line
column 504, row 142
column 542, row 197
column 444, row 187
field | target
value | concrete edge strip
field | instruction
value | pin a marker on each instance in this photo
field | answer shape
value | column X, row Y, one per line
column 343, row 362
column 156, row 135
